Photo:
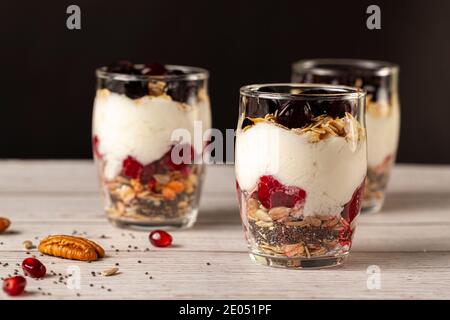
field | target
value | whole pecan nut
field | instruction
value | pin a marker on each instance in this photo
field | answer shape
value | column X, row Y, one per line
column 71, row 247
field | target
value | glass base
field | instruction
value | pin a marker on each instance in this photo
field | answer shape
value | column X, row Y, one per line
column 372, row 205
column 298, row 263
column 145, row 224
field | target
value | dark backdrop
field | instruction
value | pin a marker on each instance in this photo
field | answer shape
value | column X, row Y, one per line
column 47, row 82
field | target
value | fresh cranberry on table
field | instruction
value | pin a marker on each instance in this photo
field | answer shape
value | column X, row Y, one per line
column 121, row 66
column 271, row 193
column 34, row 268
column 15, row 285
column 160, row 238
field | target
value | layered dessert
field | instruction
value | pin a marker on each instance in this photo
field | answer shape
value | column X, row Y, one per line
column 150, row 175
column 300, row 178
column 380, row 80
column 383, row 125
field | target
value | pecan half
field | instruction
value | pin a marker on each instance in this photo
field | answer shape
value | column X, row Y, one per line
column 4, row 224
column 70, row 247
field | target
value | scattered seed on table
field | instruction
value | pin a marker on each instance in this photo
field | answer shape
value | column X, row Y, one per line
column 117, row 263
column 208, row 264
column 139, row 261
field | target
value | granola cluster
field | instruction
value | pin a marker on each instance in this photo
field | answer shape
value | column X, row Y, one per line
column 322, row 127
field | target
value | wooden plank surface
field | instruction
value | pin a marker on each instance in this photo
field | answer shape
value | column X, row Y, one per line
column 409, row 241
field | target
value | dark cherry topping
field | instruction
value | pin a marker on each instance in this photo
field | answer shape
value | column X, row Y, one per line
column 121, row 66
column 153, row 69
column 179, row 90
column 127, row 67
column 294, row 114
column 373, row 85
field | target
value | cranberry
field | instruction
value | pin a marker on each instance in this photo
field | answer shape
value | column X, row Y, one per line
column 15, row 285
column 95, row 143
column 271, row 193
column 34, row 268
column 352, row 208
column 160, row 238
column 132, row 168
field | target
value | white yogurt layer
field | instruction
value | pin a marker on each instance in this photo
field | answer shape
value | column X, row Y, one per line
column 382, row 135
column 141, row 128
column 328, row 170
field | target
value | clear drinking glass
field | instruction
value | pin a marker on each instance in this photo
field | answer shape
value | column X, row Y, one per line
column 151, row 177
column 301, row 162
column 380, row 80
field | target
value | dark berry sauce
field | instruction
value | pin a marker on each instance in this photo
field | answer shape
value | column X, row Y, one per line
column 179, row 90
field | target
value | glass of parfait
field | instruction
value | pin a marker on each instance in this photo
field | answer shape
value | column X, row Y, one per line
column 149, row 166
column 380, row 80
column 301, row 162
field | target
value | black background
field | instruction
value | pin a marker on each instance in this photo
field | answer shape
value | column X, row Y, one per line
column 48, row 83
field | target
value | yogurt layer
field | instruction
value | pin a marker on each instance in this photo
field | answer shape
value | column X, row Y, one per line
column 141, row 128
column 328, row 170
column 382, row 135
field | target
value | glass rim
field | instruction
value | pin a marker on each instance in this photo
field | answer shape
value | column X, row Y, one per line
column 192, row 73
column 342, row 92
column 324, row 67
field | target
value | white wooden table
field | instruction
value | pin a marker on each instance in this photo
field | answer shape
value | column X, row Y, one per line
column 409, row 241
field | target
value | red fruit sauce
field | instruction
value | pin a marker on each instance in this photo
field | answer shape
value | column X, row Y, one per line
column 271, row 193
column 132, row 168
column 352, row 208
